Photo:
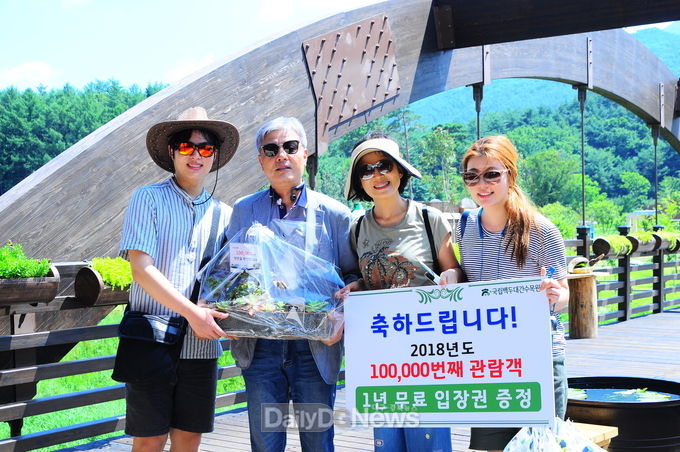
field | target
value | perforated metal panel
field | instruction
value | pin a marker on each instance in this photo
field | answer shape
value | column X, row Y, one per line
column 352, row 70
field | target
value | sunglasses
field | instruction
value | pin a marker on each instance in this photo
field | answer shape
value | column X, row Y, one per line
column 204, row 149
column 367, row 171
column 272, row 149
column 491, row 177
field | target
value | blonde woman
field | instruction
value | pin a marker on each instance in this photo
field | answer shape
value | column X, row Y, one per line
column 506, row 237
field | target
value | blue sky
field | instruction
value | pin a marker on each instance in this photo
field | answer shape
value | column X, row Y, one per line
column 54, row 42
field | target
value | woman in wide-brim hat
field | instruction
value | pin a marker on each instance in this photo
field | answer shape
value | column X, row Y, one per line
column 395, row 249
column 194, row 118
column 170, row 228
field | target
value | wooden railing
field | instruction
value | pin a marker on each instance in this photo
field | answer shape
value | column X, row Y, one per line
column 25, row 366
column 35, row 337
column 665, row 281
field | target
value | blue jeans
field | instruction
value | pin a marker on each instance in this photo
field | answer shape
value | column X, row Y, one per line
column 412, row 439
column 282, row 371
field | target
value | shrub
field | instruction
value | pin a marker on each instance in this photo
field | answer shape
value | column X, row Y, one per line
column 620, row 245
column 115, row 272
column 15, row 264
column 671, row 236
column 643, row 236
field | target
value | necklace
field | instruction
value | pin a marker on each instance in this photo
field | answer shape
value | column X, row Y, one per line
column 482, row 237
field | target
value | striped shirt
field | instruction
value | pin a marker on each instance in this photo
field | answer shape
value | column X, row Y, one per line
column 483, row 258
column 163, row 222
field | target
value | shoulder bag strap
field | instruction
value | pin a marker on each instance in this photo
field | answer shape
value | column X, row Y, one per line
column 209, row 248
column 356, row 231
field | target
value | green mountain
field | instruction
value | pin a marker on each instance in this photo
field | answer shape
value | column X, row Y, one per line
column 457, row 105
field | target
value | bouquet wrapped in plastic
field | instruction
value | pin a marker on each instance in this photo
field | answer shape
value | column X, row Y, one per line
column 270, row 288
column 563, row 437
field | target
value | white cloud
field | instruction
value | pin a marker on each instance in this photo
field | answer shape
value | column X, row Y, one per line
column 27, row 75
column 185, row 67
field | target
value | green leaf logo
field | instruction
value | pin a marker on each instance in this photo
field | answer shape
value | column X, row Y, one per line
column 427, row 296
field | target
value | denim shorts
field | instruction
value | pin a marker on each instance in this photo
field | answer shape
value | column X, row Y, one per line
column 498, row 438
column 152, row 409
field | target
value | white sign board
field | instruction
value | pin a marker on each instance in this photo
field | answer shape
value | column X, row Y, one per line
column 475, row 354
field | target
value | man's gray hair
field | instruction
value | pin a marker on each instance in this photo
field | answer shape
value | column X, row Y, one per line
column 289, row 124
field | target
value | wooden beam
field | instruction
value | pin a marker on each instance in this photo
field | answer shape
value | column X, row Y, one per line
column 57, row 337
column 482, row 22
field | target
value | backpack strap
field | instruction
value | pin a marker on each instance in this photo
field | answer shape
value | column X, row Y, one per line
column 463, row 221
column 433, row 248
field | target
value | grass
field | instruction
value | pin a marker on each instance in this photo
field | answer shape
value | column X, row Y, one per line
column 65, row 385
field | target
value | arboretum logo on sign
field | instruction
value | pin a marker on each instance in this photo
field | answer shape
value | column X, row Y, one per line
column 444, row 293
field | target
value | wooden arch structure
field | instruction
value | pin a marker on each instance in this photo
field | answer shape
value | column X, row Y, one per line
column 72, row 208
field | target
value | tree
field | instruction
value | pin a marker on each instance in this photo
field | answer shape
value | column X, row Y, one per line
column 571, row 195
column 636, row 191
column 606, row 214
column 545, row 174
column 563, row 217
column 43, row 124
column 333, row 171
column 438, row 164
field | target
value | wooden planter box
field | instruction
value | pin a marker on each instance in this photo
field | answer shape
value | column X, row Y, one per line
column 674, row 248
column 90, row 289
column 276, row 325
column 30, row 290
column 602, row 246
column 670, row 246
column 643, row 247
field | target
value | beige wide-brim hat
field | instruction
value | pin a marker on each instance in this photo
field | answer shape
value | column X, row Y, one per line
column 192, row 118
column 385, row 145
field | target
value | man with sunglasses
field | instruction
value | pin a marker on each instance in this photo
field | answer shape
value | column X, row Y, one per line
column 304, row 371
column 169, row 229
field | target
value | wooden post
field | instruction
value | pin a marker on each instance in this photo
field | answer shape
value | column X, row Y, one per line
column 582, row 306
column 583, row 234
column 659, row 284
column 625, row 306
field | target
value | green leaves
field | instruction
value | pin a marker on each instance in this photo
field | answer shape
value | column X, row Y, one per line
column 14, row 263
column 115, row 272
column 36, row 126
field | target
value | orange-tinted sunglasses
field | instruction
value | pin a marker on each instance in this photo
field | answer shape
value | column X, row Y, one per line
column 204, row 149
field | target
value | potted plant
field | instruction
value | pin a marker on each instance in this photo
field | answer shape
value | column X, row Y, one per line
column 255, row 312
column 25, row 280
column 105, row 281
column 612, row 245
column 643, row 242
column 668, row 240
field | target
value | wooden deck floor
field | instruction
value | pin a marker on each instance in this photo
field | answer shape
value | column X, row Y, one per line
column 646, row 347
